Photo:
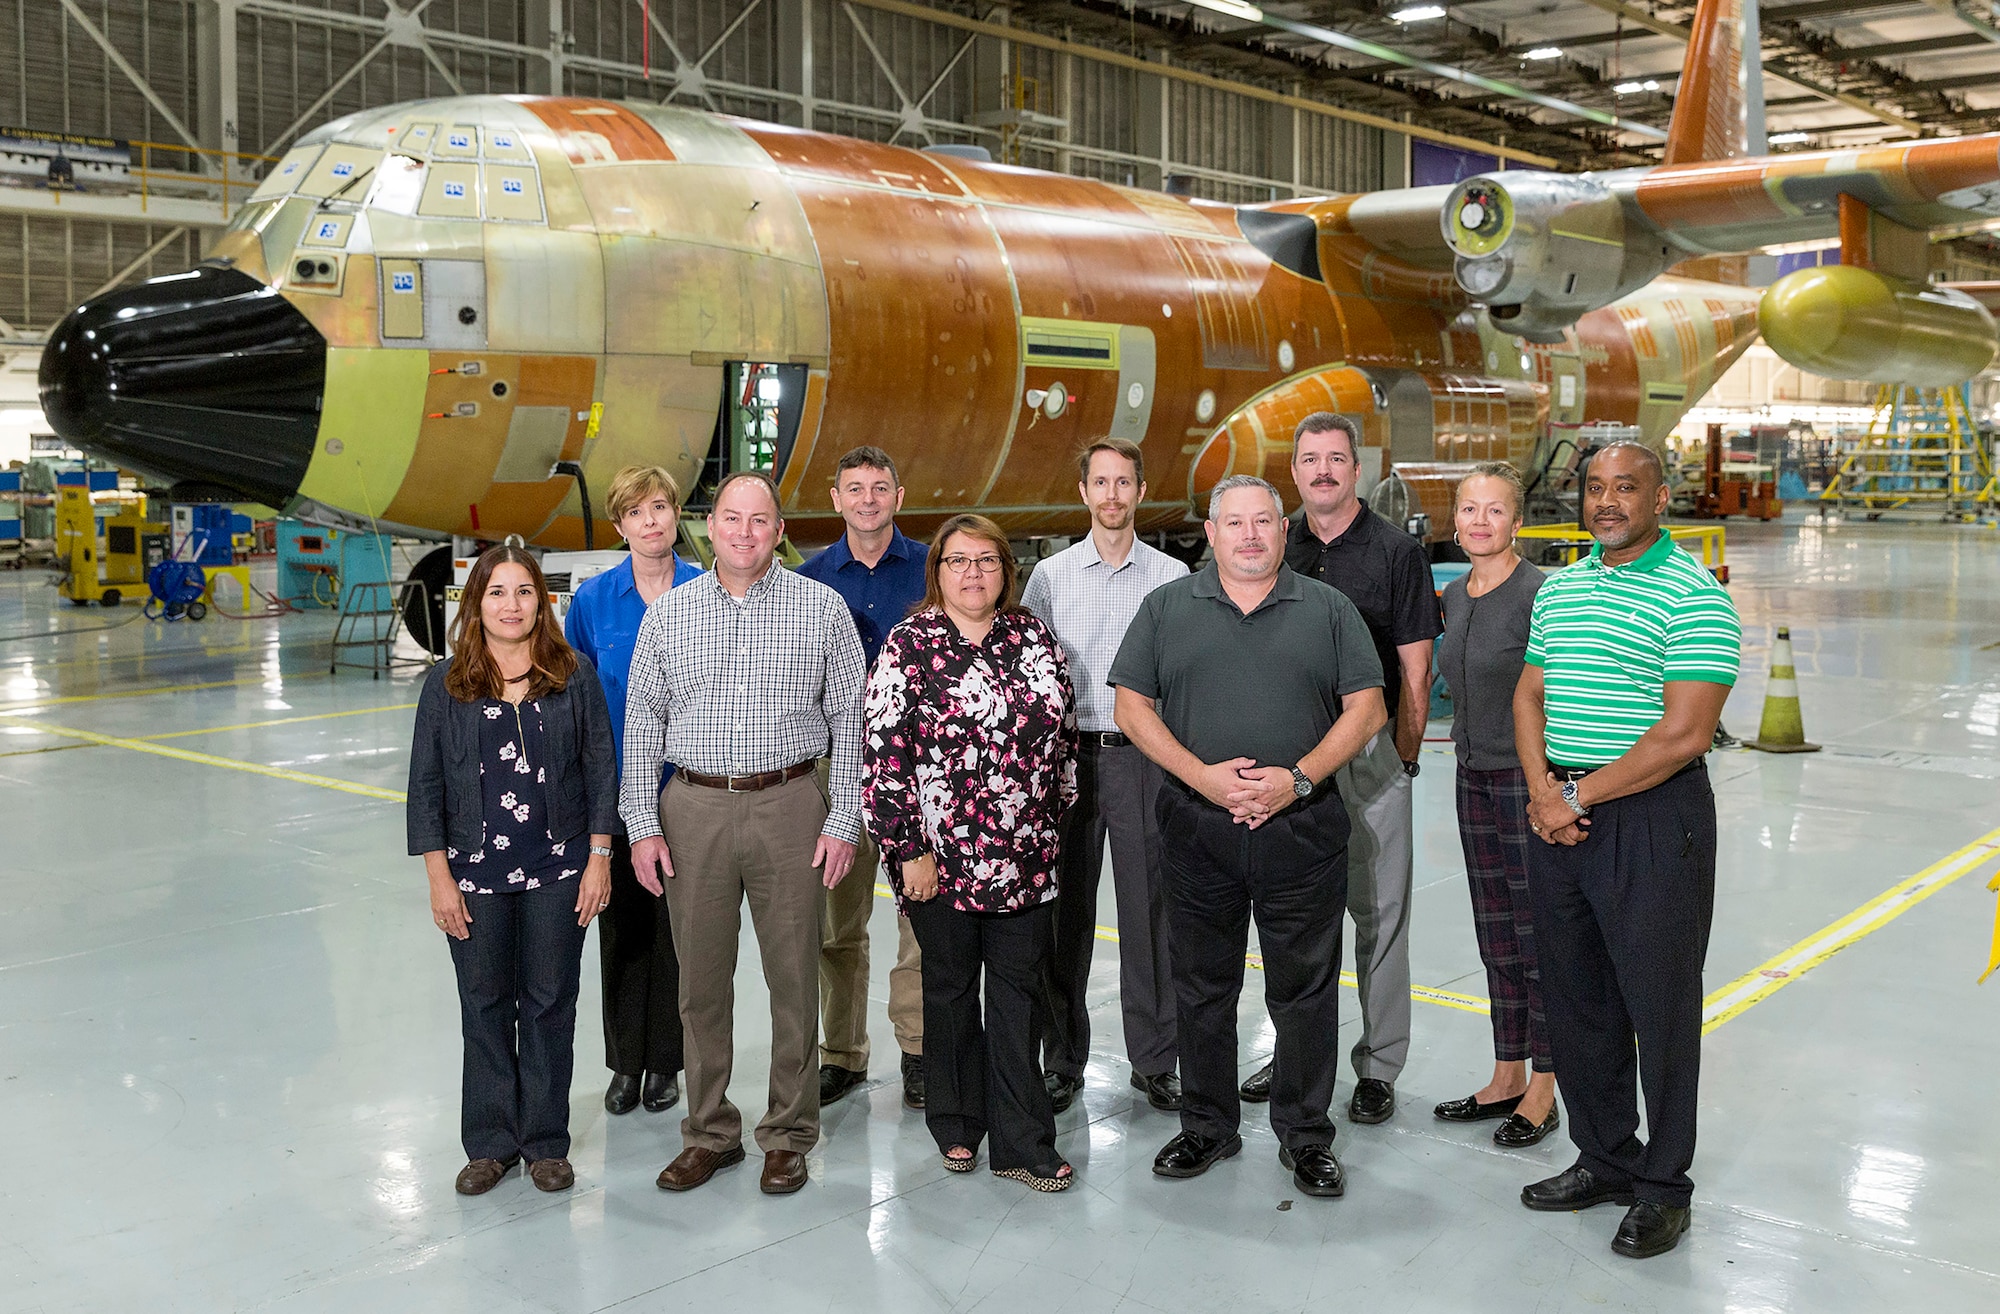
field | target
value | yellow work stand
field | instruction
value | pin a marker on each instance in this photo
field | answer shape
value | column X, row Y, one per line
column 241, row 574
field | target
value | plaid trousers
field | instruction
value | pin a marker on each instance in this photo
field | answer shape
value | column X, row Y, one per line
column 1493, row 829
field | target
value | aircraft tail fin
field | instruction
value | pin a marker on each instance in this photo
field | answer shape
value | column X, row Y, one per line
column 1719, row 106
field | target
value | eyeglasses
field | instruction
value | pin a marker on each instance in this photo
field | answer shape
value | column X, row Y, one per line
column 958, row 565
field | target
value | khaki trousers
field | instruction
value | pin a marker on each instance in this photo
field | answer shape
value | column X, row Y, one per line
column 843, row 970
column 729, row 848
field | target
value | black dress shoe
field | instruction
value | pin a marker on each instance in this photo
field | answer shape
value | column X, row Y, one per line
column 1470, row 1109
column 661, row 1092
column 835, row 1081
column 1650, row 1229
column 1162, row 1092
column 1062, row 1090
column 913, row 1081
column 1256, row 1089
column 1373, row 1101
column 1518, row 1133
column 1575, row 1187
column 1315, row 1171
column 1189, row 1155
column 622, row 1095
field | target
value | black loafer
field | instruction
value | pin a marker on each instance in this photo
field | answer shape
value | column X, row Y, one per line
column 835, row 1081
column 1162, row 1092
column 913, row 1081
column 1062, row 1090
column 1373, row 1101
column 1650, row 1229
column 1315, row 1171
column 622, row 1095
column 1470, row 1109
column 661, row 1092
column 1189, row 1155
column 1518, row 1133
column 1256, row 1089
column 1574, row 1188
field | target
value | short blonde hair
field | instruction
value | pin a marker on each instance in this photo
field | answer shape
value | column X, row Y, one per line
column 636, row 485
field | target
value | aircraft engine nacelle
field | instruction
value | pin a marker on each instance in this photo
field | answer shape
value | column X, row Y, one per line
column 1541, row 250
column 1841, row 322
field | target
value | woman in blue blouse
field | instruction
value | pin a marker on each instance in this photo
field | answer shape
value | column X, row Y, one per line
column 635, row 941
column 512, row 800
column 970, row 761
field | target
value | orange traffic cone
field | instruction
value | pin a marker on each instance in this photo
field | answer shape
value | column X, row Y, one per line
column 1783, row 728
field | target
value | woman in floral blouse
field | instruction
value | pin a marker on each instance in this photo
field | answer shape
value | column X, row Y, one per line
column 971, row 760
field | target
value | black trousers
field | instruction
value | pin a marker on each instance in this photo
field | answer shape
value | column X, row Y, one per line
column 1291, row 875
column 980, row 1076
column 518, row 974
column 1622, row 924
column 1118, row 795
column 642, row 977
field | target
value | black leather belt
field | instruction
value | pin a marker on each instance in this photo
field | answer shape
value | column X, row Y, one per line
column 1570, row 773
column 747, row 784
column 1105, row 739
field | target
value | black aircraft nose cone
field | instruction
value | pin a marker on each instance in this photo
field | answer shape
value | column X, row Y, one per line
column 207, row 377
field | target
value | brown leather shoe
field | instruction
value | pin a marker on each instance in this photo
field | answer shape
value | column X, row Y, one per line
column 551, row 1174
column 695, row 1165
column 784, row 1172
column 481, row 1176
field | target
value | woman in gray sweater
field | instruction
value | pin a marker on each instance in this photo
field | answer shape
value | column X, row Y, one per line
column 1485, row 637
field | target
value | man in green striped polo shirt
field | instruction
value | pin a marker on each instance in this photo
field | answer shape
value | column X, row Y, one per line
column 1631, row 654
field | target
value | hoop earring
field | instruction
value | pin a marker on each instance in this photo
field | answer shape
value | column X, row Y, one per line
column 1454, row 539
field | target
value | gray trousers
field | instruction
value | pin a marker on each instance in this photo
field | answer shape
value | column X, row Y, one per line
column 1119, row 794
column 1378, row 795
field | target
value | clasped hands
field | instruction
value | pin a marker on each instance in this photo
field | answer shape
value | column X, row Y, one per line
column 1552, row 820
column 1252, row 794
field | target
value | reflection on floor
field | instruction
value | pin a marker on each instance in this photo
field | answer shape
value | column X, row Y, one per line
column 228, row 1036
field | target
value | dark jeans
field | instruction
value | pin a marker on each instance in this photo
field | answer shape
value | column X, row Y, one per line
column 1118, row 794
column 517, row 981
column 1493, row 831
column 981, row 1078
column 1622, row 924
column 642, row 977
column 1291, row 875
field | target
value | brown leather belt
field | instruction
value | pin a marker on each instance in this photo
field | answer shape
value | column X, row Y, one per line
column 746, row 784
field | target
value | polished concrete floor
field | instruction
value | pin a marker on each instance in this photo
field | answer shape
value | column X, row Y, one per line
column 229, row 1047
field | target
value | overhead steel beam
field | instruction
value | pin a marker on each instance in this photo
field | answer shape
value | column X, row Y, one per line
column 1922, row 47
column 1979, row 23
column 1632, row 14
column 1152, row 68
column 138, row 80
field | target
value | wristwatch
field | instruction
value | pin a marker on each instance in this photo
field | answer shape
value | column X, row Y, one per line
column 598, row 850
column 1302, row 785
column 1413, row 769
column 1575, row 803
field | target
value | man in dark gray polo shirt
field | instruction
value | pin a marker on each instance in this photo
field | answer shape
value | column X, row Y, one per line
column 1251, row 685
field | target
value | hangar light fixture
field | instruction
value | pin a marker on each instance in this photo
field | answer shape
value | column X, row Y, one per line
column 1649, row 85
column 1234, row 8
column 1788, row 138
column 1417, row 14
column 1544, row 52
column 1628, row 89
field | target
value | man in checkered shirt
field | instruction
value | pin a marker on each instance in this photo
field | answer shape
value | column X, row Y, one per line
column 742, row 679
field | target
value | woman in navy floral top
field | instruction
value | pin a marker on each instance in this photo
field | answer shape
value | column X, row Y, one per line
column 971, row 761
column 513, row 795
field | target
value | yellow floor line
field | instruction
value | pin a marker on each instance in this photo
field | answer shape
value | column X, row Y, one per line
column 209, row 759
column 1422, row 994
column 1759, row 984
column 283, row 720
column 30, row 704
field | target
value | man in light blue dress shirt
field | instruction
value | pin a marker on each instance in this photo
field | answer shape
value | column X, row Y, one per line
column 1088, row 594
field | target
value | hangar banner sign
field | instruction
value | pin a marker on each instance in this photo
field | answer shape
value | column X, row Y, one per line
column 64, row 161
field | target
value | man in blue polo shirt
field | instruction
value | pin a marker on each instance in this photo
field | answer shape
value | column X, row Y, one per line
column 635, row 942
column 879, row 573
